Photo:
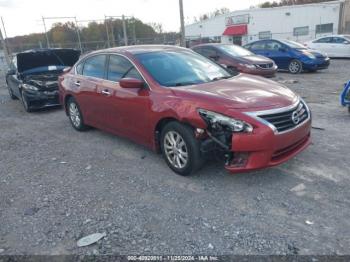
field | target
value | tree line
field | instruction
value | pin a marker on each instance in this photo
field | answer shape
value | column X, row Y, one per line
column 93, row 36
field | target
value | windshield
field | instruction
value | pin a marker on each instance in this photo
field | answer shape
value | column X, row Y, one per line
column 234, row 50
column 293, row 44
column 174, row 68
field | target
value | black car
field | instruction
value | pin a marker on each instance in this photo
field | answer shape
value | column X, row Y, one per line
column 33, row 77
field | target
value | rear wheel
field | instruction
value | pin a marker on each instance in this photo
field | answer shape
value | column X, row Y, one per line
column 295, row 67
column 75, row 115
column 180, row 149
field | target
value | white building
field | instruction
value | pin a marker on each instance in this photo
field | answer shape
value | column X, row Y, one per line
column 297, row 22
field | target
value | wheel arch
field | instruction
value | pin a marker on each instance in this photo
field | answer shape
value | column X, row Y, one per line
column 66, row 98
column 161, row 124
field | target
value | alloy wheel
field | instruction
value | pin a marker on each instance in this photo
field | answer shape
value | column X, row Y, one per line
column 74, row 114
column 175, row 149
column 294, row 67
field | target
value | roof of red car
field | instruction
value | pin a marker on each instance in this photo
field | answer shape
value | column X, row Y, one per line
column 139, row 49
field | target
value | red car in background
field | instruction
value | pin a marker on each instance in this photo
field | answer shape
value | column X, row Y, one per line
column 176, row 101
column 238, row 59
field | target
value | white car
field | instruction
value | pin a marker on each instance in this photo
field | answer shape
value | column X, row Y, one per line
column 334, row 45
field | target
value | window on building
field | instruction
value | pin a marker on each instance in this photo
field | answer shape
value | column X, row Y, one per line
column 265, row 35
column 303, row 30
column 324, row 28
column 95, row 66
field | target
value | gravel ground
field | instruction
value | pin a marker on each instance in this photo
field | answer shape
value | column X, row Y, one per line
column 58, row 185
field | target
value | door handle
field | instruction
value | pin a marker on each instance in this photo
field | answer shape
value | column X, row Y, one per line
column 77, row 83
column 105, row 92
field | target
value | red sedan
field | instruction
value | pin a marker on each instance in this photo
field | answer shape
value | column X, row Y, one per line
column 187, row 107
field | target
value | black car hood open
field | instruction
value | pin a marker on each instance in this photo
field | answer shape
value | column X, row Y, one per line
column 46, row 57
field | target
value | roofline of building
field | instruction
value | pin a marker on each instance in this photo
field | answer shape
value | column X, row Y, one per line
column 255, row 9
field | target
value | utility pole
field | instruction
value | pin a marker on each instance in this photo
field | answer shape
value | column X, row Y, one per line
column 4, row 48
column 134, row 29
column 107, row 31
column 182, row 33
column 5, row 34
column 124, row 30
column 112, row 32
column 47, row 37
column 78, row 34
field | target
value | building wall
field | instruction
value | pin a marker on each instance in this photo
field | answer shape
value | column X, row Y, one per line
column 279, row 21
column 344, row 25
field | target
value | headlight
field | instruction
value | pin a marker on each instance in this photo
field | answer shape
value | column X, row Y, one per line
column 30, row 87
column 309, row 55
column 216, row 120
column 248, row 66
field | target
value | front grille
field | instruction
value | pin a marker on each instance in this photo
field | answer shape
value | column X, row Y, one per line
column 265, row 66
column 284, row 121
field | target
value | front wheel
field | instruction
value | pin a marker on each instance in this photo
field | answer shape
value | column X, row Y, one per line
column 295, row 67
column 180, row 149
column 12, row 96
column 75, row 115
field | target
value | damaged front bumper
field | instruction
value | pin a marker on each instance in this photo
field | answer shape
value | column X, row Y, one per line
column 260, row 149
column 37, row 99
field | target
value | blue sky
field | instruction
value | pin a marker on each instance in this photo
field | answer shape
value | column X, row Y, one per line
column 24, row 16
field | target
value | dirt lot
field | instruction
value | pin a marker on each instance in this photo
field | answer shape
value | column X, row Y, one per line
column 58, row 185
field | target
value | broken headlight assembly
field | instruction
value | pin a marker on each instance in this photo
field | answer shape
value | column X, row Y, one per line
column 217, row 121
column 30, row 87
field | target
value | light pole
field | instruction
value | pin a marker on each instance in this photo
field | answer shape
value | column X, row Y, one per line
column 182, row 33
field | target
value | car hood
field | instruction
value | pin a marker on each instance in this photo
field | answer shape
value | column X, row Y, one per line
column 241, row 92
column 49, row 59
column 255, row 59
column 314, row 52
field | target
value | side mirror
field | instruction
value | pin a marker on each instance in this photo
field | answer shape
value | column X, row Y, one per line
column 131, row 83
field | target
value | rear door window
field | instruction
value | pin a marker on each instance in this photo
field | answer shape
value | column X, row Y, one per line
column 95, row 66
column 209, row 52
column 324, row 40
column 258, row 45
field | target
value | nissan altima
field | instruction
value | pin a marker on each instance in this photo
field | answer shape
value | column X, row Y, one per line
column 187, row 107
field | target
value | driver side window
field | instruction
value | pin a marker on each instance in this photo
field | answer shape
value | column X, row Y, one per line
column 273, row 46
column 120, row 67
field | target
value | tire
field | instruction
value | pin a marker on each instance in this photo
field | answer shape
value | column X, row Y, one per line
column 26, row 104
column 187, row 158
column 75, row 115
column 12, row 96
column 295, row 67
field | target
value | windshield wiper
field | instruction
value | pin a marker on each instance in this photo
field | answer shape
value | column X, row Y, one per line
column 220, row 77
column 184, row 83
